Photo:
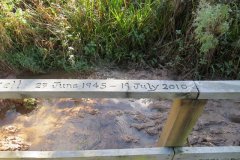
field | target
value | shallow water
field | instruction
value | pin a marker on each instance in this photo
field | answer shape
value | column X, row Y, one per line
column 73, row 124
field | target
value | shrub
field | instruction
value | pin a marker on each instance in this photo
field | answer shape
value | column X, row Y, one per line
column 42, row 35
column 211, row 22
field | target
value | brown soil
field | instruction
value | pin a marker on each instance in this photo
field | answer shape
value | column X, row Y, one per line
column 73, row 124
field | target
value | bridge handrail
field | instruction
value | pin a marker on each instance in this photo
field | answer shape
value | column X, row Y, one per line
column 112, row 88
column 189, row 100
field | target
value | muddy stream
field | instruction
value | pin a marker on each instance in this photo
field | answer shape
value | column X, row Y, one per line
column 75, row 124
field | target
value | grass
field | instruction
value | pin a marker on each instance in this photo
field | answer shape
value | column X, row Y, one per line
column 42, row 35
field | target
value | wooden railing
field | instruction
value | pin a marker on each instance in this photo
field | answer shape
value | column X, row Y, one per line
column 189, row 98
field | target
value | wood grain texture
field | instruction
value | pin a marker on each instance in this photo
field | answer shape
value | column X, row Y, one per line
column 181, row 119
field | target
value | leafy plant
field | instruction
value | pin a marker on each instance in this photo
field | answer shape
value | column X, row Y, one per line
column 211, row 22
column 42, row 35
column 30, row 103
column 30, row 59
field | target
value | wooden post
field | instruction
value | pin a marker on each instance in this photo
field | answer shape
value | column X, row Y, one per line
column 182, row 118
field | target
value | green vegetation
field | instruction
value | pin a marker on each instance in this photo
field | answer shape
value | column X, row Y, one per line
column 211, row 22
column 197, row 37
column 29, row 103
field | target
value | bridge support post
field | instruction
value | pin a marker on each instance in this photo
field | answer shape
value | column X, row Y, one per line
column 181, row 119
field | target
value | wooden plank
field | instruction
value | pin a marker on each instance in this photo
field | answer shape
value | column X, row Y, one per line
column 111, row 154
column 181, row 119
column 218, row 89
column 75, row 88
column 178, row 153
column 207, row 153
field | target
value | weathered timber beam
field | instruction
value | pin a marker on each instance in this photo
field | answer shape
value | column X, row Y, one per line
column 184, row 113
column 207, row 153
column 110, row 154
column 218, row 89
column 177, row 153
column 181, row 119
column 75, row 88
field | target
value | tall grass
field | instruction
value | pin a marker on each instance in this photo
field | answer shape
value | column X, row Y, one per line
column 39, row 35
column 79, row 32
